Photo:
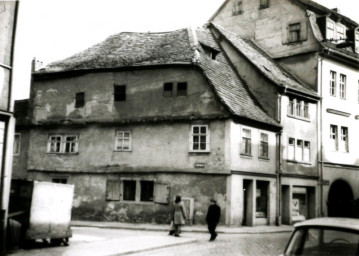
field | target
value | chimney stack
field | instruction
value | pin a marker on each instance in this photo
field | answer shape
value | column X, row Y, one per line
column 336, row 10
column 36, row 65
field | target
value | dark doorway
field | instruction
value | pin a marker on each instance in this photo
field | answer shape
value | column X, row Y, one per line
column 246, row 184
column 340, row 200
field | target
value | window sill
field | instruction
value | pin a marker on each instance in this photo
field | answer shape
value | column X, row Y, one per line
column 64, row 154
column 115, row 150
column 136, row 202
column 294, row 42
column 299, row 118
column 298, row 162
column 246, row 156
column 263, row 158
column 263, row 7
column 198, row 153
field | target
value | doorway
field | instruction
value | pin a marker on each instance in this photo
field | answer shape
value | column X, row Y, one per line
column 340, row 199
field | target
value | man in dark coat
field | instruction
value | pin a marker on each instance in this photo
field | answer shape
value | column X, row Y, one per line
column 212, row 218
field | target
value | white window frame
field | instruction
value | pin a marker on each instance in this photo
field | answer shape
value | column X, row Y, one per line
column 246, row 142
column 340, row 33
column 344, row 139
column 342, row 86
column 291, row 149
column 119, row 143
column 263, row 142
column 333, row 83
column 333, row 136
column 199, row 135
column 298, row 108
column 330, row 28
column 17, row 144
column 62, row 149
column 299, row 149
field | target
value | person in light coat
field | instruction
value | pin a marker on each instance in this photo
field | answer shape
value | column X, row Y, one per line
column 179, row 215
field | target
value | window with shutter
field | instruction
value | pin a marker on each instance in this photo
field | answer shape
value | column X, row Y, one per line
column 113, row 190
column 161, row 193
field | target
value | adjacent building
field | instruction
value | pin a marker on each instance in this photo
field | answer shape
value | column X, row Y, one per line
column 320, row 46
column 141, row 117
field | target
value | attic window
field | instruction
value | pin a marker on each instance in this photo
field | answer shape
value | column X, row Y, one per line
column 210, row 52
column 167, row 90
column 80, row 100
column 294, row 32
column 182, row 89
column 263, row 4
column 357, row 42
column 237, row 8
column 120, row 92
column 340, row 33
column 330, row 30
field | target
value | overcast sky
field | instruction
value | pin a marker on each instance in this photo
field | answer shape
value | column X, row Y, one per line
column 52, row 30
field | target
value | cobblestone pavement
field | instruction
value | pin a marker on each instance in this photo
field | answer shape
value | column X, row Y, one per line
column 228, row 244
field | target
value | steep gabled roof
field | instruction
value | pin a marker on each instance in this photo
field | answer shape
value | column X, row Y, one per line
column 264, row 63
column 175, row 47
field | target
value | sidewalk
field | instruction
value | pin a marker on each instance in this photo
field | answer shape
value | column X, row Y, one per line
column 194, row 228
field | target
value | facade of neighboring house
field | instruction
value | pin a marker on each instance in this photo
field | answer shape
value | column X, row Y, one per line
column 141, row 117
column 8, row 17
column 321, row 47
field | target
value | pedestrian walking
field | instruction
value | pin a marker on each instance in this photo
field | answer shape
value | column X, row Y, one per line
column 212, row 218
column 179, row 215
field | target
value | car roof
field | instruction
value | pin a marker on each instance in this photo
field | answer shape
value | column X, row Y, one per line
column 347, row 223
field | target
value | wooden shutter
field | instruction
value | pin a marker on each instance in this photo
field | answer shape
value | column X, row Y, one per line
column 161, row 193
column 113, row 190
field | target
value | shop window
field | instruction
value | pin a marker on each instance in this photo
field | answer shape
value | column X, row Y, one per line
column 79, row 100
column 261, row 199
column 342, row 86
column 17, row 140
column 167, row 90
column 62, row 144
column 146, row 191
column 334, row 137
column 129, row 190
column 263, row 148
column 113, row 190
column 123, row 141
column 120, row 92
column 246, row 142
column 333, row 83
column 299, row 204
column 182, row 89
column 199, row 138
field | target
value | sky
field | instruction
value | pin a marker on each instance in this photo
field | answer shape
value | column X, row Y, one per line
column 51, row 30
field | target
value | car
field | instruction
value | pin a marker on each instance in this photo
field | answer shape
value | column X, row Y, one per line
column 324, row 236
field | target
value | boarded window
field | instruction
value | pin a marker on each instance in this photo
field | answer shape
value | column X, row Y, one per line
column 113, row 190
column 167, row 90
column 161, row 193
column 120, row 92
column 80, row 100
column 182, row 89
column 146, row 191
column 129, row 190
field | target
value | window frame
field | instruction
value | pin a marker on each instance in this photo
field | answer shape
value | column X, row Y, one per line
column 344, row 138
column 119, row 92
column 79, row 99
column 298, row 109
column 137, row 193
column 264, row 141
column 246, row 142
column 333, row 136
column 123, row 139
column 298, row 149
column 333, row 83
column 294, row 32
column 166, row 92
column 63, row 142
column 330, row 29
column 192, row 140
column 342, row 86
column 17, row 144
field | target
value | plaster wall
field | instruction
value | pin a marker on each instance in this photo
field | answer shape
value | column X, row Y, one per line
column 155, row 147
column 90, row 196
column 54, row 98
column 302, row 129
column 252, row 163
column 340, row 112
column 268, row 26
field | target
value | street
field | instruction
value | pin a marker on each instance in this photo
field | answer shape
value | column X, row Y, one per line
column 101, row 241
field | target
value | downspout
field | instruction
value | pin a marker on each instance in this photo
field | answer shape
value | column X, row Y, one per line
column 320, row 133
column 279, row 164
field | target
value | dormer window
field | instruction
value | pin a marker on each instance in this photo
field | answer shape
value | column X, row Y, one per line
column 210, row 52
column 357, row 41
column 340, row 33
column 330, row 30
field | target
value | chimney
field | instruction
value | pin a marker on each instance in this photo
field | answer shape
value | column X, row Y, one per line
column 36, row 65
column 336, row 10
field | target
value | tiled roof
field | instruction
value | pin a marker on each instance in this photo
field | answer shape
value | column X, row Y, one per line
column 180, row 46
column 266, row 65
column 130, row 49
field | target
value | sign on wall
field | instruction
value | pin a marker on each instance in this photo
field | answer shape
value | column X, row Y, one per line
column 295, row 207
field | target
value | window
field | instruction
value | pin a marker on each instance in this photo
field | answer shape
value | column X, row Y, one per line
column 237, row 8
column 291, row 150
column 182, row 89
column 129, row 190
column 200, row 138
column 59, row 180
column 342, row 86
column 334, row 137
column 123, row 141
column 120, row 92
column 330, row 30
column 80, row 100
column 340, row 33
column 357, row 42
column 246, row 142
column 62, row 144
column 344, row 139
column 146, row 191
column 210, row 52
column 299, row 151
column 263, row 149
column 298, row 108
column 294, row 32
column 306, row 153
column 263, row 4
column 17, row 140
column 333, row 83
column 168, row 90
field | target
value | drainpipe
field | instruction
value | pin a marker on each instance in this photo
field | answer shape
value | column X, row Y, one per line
column 320, row 133
column 279, row 166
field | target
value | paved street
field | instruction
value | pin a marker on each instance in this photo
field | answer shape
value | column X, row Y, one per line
column 99, row 241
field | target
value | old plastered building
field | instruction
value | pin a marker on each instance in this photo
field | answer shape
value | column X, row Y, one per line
column 141, row 117
column 321, row 47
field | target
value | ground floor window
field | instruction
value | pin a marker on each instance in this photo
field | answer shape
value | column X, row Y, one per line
column 299, row 204
column 261, row 199
column 146, row 191
column 129, row 190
